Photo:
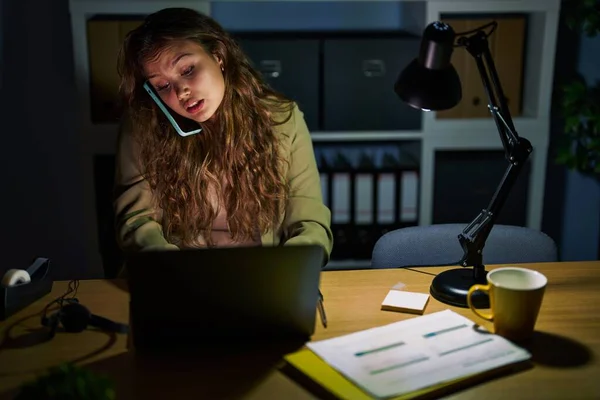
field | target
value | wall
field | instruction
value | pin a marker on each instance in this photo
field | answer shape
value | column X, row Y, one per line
column 1, row 45
column 581, row 217
column 41, row 194
column 306, row 15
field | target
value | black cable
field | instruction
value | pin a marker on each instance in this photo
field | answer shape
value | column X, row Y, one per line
column 452, row 264
column 71, row 289
column 482, row 27
column 461, row 35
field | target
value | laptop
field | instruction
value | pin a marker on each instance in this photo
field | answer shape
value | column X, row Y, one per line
column 195, row 297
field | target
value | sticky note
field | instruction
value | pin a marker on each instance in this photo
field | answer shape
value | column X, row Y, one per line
column 409, row 302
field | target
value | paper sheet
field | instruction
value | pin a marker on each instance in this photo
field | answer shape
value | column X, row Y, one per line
column 413, row 354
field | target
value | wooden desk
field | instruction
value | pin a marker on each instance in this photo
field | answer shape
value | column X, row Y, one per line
column 566, row 348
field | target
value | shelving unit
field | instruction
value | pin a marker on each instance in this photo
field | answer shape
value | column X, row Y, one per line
column 435, row 135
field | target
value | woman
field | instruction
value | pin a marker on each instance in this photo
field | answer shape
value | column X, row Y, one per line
column 248, row 178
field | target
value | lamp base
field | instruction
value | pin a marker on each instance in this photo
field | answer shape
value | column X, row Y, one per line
column 451, row 287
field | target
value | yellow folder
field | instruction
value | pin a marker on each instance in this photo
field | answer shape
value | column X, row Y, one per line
column 334, row 382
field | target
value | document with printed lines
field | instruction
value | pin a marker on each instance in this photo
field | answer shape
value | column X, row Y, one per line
column 414, row 354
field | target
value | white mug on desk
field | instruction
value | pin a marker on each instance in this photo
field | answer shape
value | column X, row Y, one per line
column 515, row 299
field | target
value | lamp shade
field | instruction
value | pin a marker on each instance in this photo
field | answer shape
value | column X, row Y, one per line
column 430, row 82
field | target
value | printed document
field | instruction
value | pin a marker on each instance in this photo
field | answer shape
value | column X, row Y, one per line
column 417, row 353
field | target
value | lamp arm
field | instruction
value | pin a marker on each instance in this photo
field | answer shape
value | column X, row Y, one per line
column 517, row 150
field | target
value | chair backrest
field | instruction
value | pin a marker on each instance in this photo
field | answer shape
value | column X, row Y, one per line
column 438, row 244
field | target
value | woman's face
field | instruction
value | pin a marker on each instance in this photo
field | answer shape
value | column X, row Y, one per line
column 188, row 79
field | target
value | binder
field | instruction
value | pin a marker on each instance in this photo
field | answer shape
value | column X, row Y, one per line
column 341, row 192
column 323, row 167
column 313, row 367
column 308, row 363
column 366, row 200
column 325, row 188
column 386, row 191
column 409, row 194
column 341, row 198
column 363, row 190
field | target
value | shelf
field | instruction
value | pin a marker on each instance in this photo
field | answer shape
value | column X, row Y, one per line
column 365, row 136
column 510, row 3
column 90, row 8
column 347, row 264
column 534, row 129
column 538, row 57
column 103, row 137
column 480, row 142
column 431, row 136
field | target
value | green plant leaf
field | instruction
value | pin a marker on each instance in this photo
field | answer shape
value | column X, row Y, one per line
column 67, row 382
column 563, row 159
column 571, row 22
column 579, row 145
column 574, row 91
column 572, row 123
column 593, row 144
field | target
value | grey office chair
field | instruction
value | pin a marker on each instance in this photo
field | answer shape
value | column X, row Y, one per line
column 438, row 245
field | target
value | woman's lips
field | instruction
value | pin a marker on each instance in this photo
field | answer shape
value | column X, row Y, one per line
column 195, row 107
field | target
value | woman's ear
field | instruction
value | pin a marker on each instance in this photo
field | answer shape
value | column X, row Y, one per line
column 220, row 61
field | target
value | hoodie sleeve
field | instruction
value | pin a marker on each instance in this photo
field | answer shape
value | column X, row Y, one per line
column 136, row 217
column 307, row 218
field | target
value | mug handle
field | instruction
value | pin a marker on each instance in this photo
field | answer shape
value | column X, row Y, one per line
column 473, row 289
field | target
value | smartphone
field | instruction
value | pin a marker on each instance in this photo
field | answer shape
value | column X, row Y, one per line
column 183, row 126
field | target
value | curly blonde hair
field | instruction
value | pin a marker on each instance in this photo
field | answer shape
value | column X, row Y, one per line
column 237, row 153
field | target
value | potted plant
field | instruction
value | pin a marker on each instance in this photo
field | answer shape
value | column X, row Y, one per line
column 67, row 382
column 579, row 148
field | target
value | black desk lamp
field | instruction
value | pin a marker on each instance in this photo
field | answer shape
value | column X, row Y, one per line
column 430, row 82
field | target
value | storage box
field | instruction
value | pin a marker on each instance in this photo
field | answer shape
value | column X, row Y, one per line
column 359, row 77
column 290, row 66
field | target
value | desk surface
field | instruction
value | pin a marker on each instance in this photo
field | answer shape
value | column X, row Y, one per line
column 566, row 349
